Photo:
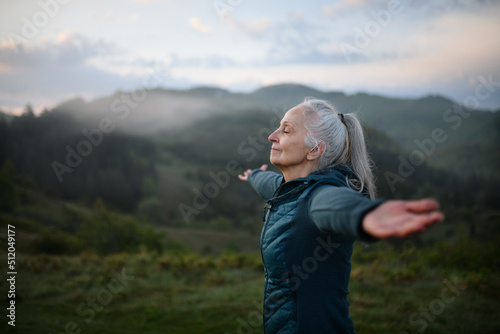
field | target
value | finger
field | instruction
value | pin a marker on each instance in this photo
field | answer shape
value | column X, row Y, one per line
column 410, row 229
column 242, row 177
column 263, row 167
column 422, row 205
column 420, row 223
column 434, row 217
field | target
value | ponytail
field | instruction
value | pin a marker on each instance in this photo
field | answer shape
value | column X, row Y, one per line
column 344, row 142
column 359, row 160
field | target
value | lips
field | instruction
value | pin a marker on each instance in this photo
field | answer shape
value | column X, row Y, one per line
column 274, row 149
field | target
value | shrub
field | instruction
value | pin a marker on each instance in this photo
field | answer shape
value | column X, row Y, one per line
column 112, row 233
column 52, row 241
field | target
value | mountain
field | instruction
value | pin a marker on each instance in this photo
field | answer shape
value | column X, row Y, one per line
column 438, row 130
column 185, row 175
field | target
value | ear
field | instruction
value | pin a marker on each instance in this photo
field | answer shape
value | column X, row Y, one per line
column 316, row 151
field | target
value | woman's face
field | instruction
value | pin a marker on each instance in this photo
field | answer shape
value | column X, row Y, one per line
column 288, row 149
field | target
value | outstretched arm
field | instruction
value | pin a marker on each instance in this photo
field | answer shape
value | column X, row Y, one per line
column 399, row 218
column 244, row 176
column 263, row 182
column 350, row 215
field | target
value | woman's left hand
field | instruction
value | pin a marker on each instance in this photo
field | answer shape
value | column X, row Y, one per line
column 244, row 176
column 399, row 218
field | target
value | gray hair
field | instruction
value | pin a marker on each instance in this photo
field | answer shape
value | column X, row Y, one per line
column 344, row 142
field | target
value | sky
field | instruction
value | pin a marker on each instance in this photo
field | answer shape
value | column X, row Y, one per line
column 55, row 50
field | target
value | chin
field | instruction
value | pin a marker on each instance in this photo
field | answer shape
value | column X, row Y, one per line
column 275, row 162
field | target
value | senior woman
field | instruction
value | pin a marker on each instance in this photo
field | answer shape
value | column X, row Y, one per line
column 322, row 202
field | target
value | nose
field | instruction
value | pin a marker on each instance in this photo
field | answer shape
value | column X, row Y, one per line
column 273, row 138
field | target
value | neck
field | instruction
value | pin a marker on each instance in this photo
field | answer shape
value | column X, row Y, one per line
column 297, row 172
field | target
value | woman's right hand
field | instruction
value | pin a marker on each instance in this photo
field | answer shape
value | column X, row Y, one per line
column 398, row 218
column 244, row 176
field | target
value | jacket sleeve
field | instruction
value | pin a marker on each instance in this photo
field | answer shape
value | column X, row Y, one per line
column 264, row 183
column 340, row 210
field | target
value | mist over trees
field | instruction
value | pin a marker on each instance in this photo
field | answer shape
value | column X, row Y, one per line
column 171, row 144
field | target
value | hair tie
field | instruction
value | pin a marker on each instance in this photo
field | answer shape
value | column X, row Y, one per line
column 347, row 142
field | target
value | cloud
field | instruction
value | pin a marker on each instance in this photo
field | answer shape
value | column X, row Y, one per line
column 295, row 40
column 199, row 26
column 208, row 61
column 343, row 7
column 412, row 56
column 421, row 49
column 442, row 7
column 115, row 18
column 253, row 27
column 54, row 71
column 50, row 69
column 67, row 50
column 292, row 40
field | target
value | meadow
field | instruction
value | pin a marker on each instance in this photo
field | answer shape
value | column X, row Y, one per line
column 444, row 288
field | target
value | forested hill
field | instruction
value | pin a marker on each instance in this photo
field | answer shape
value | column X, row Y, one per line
column 469, row 141
column 181, row 149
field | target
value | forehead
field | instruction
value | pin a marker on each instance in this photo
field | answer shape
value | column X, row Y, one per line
column 294, row 116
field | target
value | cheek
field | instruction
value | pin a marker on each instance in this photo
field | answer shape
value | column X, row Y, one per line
column 296, row 145
column 295, row 150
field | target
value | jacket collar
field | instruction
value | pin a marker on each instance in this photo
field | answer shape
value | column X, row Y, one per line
column 337, row 175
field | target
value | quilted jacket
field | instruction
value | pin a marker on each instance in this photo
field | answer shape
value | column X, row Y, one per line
column 310, row 225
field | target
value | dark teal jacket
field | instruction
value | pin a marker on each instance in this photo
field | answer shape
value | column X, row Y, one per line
column 310, row 225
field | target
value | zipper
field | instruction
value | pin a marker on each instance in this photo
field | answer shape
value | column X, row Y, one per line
column 267, row 208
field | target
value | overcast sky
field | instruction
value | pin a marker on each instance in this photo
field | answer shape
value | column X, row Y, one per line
column 53, row 50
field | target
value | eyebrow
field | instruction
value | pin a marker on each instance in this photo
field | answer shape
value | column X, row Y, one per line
column 287, row 123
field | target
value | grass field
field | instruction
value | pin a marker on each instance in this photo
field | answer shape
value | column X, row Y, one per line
column 446, row 288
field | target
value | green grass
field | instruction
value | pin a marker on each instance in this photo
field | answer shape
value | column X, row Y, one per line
column 195, row 294
column 191, row 293
column 204, row 240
